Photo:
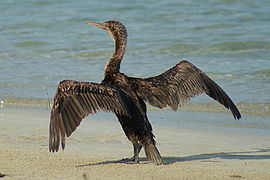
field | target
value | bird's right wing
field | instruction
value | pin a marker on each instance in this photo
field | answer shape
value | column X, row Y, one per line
column 179, row 84
column 74, row 100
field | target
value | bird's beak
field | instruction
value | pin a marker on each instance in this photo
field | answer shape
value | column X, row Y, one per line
column 100, row 25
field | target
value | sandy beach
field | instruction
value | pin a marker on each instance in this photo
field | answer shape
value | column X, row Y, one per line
column 96, row 148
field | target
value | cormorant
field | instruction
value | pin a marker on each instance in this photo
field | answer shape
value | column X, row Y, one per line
column 126, row 96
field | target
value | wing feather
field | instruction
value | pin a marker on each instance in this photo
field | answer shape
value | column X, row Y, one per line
column 178, row 85
column 74, row 100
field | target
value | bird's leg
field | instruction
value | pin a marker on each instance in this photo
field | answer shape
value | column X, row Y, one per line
column 135, row 158
column 137, row 149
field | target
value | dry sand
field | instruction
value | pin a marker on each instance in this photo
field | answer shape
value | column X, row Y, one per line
column 95, row 149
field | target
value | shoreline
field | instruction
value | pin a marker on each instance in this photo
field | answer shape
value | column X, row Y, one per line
column 95, row 149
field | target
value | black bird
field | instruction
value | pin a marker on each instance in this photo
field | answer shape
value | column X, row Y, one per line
column 126, row 96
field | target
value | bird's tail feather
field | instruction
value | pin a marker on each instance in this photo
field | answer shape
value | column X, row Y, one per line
column 152, row 154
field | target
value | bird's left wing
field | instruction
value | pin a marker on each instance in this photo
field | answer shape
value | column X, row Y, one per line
column 74, row 100
column 179, row 84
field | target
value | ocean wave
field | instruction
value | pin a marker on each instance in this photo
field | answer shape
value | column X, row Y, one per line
column 223, row 47
column 258, row 109
column 30, row 44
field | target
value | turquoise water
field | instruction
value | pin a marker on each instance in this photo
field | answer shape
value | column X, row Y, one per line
column 44, row 42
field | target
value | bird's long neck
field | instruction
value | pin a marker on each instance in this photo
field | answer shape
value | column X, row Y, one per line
column 113, row 64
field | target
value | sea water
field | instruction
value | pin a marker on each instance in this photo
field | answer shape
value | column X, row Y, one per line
column 45, row 42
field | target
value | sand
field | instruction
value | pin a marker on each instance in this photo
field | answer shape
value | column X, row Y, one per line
column 96, row 148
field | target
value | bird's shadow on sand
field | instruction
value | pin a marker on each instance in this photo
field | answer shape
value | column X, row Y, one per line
column 242, row 155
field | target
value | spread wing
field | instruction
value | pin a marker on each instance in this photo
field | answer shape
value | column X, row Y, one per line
column 179, row 84
column 73, row 101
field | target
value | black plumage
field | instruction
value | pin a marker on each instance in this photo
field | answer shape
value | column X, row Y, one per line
column 125, row 96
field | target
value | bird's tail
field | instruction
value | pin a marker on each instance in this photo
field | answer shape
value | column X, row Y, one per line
column 152, row 154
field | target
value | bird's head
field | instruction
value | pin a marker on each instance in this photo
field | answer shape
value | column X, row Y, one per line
column 115, row 29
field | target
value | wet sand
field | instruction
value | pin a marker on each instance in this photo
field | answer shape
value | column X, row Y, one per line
column 95, row 150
